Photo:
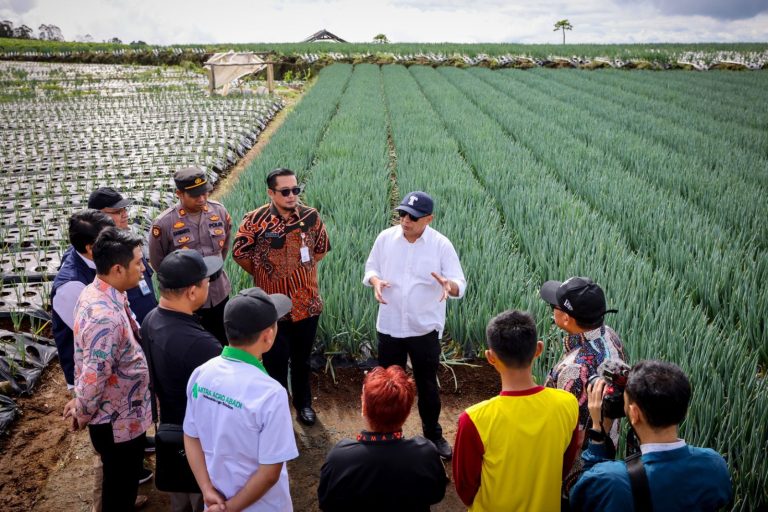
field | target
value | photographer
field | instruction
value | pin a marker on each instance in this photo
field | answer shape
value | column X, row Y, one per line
column 670, row 475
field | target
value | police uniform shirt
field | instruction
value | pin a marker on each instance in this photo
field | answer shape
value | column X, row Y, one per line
column 242, row 419
column 207, row 232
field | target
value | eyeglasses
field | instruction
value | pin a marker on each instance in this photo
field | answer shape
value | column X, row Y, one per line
column 115, row 211
column 414, row 219
column 288, row 191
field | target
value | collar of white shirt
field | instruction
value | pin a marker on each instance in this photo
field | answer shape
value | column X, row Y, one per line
column 661, row 447
column 88, row 262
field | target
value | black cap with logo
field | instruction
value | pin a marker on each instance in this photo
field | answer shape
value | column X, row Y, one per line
column 185, row 267
column 192, row 180
column 580, row 297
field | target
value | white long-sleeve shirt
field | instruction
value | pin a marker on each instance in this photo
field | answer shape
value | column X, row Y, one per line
column 66, row 296
column 413, row 300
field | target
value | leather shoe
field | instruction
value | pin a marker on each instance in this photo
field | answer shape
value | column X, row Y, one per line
column 443, row 448
column 307, row 416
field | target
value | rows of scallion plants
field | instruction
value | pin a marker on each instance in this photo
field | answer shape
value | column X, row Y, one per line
column 66, row 130
column 543, row 175
column 720, row 266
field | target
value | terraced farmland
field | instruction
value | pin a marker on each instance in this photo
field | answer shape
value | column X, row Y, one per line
column 652, row 183
column 67, row 129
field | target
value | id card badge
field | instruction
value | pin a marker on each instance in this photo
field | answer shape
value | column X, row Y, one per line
column 304, row 251
column 145, row 290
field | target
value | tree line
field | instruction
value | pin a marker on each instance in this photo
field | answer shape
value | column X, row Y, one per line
column 49, row 33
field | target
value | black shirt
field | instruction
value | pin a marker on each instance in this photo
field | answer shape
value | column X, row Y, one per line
column 178, row 344
column 382, row 472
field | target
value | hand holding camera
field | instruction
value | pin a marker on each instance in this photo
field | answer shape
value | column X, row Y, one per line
column 605, row 398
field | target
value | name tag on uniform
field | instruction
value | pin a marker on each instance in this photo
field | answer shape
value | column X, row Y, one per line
column 145, row 290
column 304, row 251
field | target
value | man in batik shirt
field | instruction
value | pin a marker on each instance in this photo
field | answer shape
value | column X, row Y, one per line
column 579, row 308
column 280, row 245
column 111, row 374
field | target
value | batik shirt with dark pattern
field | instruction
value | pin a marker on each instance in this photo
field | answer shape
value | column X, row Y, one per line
column 584, row 352
column 269, row 248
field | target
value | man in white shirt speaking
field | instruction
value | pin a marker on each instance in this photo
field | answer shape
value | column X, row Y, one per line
column 413, row 269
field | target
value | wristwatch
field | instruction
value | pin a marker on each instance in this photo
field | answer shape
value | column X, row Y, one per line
column 597, row 436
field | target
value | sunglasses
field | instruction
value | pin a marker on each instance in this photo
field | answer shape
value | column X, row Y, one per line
column 285, row 192
column 414, row 219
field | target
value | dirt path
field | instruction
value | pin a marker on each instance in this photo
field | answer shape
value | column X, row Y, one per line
column 291, row 99
column 46, row 468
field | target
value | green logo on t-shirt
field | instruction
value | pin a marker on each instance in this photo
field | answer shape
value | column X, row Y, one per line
column 217, row 397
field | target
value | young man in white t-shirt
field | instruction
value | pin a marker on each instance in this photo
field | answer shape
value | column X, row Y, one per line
column 238, row 431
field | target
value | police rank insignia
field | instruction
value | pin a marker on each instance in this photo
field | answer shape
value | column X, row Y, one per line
column 179, row 225
column 156, row 231
column 215, row 217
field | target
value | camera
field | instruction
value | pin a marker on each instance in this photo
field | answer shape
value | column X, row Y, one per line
column 614, row 373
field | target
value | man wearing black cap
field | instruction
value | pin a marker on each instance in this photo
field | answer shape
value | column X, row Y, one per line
column 280, row 244
column 238, row 431
column 413, row 269
column 200, row 224
column 579, row 308
column 176, row 343
column 110, row 201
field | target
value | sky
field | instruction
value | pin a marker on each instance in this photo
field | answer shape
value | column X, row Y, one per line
column 461, row 21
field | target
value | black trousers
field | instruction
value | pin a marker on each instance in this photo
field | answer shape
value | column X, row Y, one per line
column 293, row 343
column 121, row 468
column 212, row 320
column 425, row 358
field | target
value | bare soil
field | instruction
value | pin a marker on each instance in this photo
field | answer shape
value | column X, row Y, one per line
column 44, row 467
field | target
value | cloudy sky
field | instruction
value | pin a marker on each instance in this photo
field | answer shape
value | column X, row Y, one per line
column 241, row 21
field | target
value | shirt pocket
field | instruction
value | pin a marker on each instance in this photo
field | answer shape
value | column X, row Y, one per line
column 182, row 238
column 218, row 232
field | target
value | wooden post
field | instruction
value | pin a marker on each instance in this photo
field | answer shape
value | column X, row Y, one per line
column 270, row 78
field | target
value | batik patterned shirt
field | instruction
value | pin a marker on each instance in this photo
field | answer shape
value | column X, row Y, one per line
column 111, row 374
column 584, row 353
column 269, row 248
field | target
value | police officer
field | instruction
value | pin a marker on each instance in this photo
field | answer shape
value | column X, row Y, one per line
column 196, row 223
column 108, row 200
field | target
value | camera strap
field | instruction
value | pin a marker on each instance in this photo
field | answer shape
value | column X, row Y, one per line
column 641, row 491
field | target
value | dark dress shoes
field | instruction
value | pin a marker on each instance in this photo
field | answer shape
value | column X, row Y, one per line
column 443, row 448
column 307, row 416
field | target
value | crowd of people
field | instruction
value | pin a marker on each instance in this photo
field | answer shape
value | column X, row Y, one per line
column 224, row 369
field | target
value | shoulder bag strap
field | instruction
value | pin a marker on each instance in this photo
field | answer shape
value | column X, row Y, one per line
column 641, row 491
